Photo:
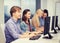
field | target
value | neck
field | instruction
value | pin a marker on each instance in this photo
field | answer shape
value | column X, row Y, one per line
column 15, row 18
column 27, row 21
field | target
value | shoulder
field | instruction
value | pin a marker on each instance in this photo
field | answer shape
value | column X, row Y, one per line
column 22, row 23
column 10, row 21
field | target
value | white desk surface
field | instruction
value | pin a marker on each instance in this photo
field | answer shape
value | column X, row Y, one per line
column 40, row 40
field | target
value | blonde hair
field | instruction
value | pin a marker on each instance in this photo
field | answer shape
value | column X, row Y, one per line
column 35, row 19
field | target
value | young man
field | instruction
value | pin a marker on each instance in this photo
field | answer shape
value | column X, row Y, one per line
column 12, row 27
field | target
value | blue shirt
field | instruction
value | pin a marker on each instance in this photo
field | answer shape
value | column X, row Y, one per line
column 41, row 21
column 25, row 27
column 12, row 30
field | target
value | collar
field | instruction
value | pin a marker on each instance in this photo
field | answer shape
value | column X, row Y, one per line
column 14, row 20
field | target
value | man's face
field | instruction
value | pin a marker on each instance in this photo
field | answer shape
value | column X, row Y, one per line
column 17, row 14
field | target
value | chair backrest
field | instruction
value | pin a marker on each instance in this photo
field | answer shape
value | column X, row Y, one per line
column 6, row 18
column 46, row 25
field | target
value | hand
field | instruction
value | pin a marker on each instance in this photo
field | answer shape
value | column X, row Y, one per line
column 31, row 35
column 26, row 33
column 24, row 36
column 36, row 32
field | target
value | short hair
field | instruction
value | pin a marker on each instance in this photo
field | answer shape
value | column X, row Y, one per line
column 46, row 11
column 14, row 9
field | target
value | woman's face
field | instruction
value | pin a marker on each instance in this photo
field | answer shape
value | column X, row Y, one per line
column 45, row 15
column 28, row 14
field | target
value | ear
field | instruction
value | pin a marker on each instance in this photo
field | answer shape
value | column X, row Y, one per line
column 13, row 14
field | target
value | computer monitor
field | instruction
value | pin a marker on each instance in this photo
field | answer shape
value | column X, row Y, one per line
column 56, row 21
column 46, row 25
column 47, row 28
column 53, row 24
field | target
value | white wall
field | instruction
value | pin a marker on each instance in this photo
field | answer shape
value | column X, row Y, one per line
column 43, row 4
column 2, row 38
column 9, row 3
column 29, row 4
column 50, row 5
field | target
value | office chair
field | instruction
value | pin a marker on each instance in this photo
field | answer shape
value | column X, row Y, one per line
column 6, row 18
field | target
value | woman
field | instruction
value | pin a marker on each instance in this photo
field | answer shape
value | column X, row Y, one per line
column 36, row 22
column 26, row 24
column 41, row 19
column 45, row 13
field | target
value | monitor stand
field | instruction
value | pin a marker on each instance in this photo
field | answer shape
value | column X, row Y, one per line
column 48, row 37
column 55, row 32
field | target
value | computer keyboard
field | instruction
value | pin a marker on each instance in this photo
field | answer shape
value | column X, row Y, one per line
column 35, row 37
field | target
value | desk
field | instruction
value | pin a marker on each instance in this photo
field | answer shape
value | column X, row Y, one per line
column 40, row 40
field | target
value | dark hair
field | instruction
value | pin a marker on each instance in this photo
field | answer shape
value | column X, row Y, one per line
column 14, row 9
column 24, row 17
column 45, row 11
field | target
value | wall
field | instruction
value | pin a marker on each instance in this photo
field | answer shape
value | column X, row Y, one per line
column 43, row 4
column 50, row 5
column 9, row 3
column 29, row 4
column 2, row 37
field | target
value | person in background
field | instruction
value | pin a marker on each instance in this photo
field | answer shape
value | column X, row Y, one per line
column 41, row 19
column 45, row 15
column 36, row 20
column 12, row 26
column 26, row 25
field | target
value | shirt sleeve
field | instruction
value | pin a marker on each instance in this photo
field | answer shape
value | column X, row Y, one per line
column 23, row 27
column 11, row 29
column 42, row 22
